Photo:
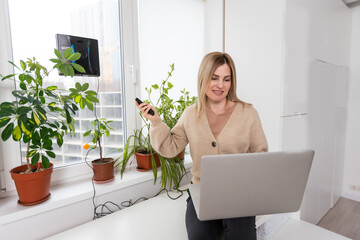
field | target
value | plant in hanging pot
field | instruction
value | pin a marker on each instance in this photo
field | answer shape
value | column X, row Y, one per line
column 103, row 167
column 39, row 115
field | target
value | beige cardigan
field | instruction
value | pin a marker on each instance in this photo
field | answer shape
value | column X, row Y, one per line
column 242, row 133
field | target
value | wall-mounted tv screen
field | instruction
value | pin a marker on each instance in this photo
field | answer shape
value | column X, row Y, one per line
column 88, row 48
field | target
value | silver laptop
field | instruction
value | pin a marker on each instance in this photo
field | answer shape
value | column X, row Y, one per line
column 250, row 184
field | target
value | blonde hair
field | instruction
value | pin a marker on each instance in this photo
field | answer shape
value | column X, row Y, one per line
column 208, row 66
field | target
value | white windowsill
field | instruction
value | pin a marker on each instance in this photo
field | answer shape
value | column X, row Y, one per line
column 70, row 193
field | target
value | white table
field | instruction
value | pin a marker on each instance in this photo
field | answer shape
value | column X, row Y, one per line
column 301, row 230
column 161, row 218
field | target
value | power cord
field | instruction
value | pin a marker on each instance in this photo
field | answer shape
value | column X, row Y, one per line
column 102, row 210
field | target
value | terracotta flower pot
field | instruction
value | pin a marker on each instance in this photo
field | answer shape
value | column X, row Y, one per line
column 103, row 171
column 144, row 161
column 32, row 188
column 181, row 155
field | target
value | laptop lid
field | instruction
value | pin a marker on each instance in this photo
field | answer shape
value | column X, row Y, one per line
column 250, row 184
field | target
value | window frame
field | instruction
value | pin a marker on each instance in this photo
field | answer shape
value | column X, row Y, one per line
column 129, row 49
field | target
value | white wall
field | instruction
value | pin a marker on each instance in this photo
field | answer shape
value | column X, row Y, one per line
column 254, row 39
column 213, row 26
column 352, row 152
column 171, row 31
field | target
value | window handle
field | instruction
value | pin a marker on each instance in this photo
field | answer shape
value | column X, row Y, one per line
column 132, row 71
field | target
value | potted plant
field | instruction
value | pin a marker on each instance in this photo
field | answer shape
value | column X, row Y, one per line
column 103, row 167
column 38, row 116
column 139, row 145
column 170, row 111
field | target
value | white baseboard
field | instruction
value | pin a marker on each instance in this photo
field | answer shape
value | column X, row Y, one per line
column 355, row 197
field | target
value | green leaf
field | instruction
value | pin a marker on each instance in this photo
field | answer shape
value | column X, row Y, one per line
column 45, row 162
column 170, row 85
column 24, row 129
column 62, row 68
column 36, row 138
column 51, row 154
column 22, row 77
column 23, row 65
column 68, row 116
column 74, row 107
column 47, row 144
column 73, row 90
column 87, row 133
column 37, row 121
column 155, row 86
column 4, row 121
column 84, row 87
column 6, row 112
column 57, row 65
column 68, row 52
column 31, row 153
column 82, row 103
column 90, row 92
column 58, row 54
column 74, row 56
column 52, row 104
column 29, row 78
column 65, row 70
column 7, row 132
column 92, row 98
column 8, row 76
column 55, row 60
column 23, row 86
column 22, row 110
column 26, row 138
column 35, row 159
column 51, row 88
column 89, row 104
column 59, row 140
column 43, row 116
column 43, row 132
column 70, row 70
column 77, row 98
column 16, row 133
column 78, row 86
column 14, row 65
column 78, row 67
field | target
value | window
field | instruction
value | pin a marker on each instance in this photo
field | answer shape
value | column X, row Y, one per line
column 33, row 31
column 33, row 27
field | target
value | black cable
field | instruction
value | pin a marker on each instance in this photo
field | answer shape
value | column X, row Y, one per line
column 124, row 204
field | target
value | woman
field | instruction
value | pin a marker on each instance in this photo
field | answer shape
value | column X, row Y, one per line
column 219, row 123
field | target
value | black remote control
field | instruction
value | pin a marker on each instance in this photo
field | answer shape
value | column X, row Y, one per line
column 151, row 112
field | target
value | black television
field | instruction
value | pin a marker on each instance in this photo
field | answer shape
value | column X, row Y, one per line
column 88, row 48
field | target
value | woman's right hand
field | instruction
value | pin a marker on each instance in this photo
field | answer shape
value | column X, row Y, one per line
column 144, row 108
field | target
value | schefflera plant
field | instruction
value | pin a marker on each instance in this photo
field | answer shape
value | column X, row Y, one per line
column 42, row 114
